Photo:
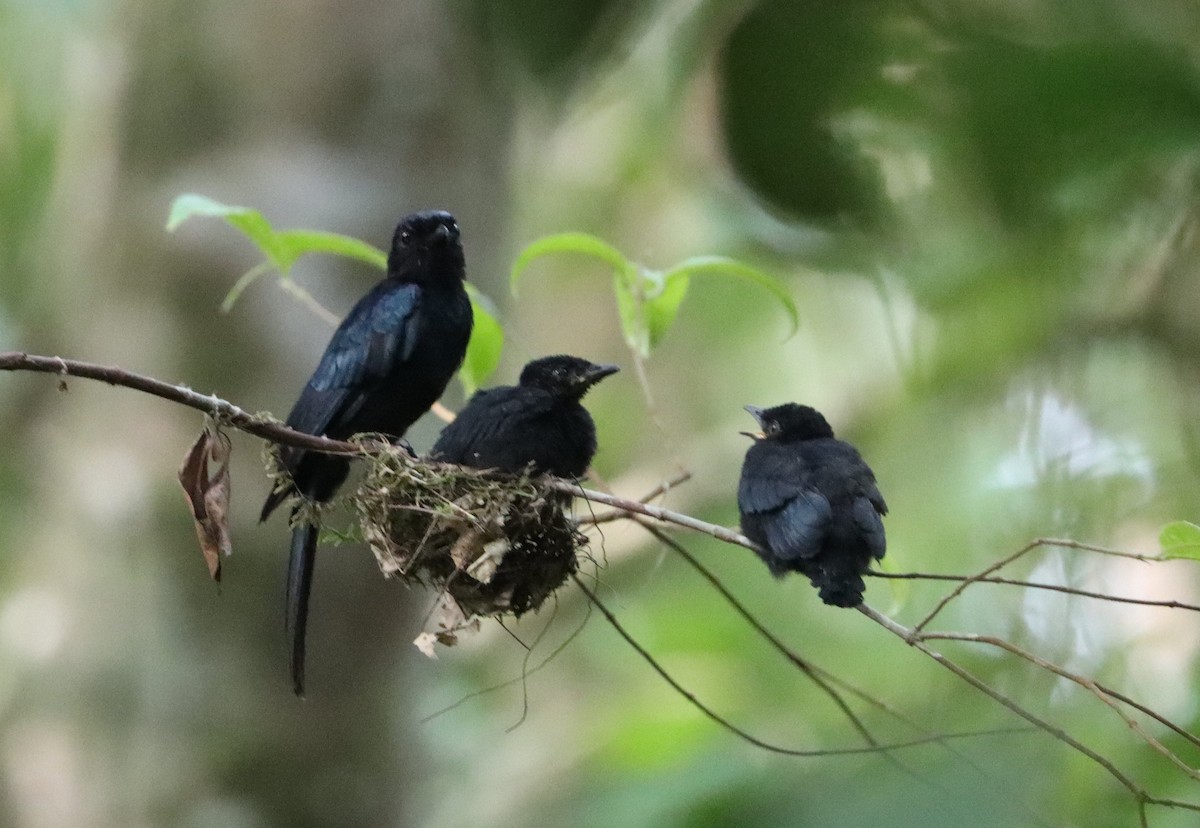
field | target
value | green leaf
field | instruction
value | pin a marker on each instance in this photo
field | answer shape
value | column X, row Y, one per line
column 636, row 335
column 660, row 311
column 293, row 244
column 725, row 266
column 281, row 248
column 1180, row 539
column 582, row 244
column 250, row 222
column 487, row 342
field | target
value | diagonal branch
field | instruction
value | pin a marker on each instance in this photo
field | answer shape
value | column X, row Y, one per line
column 222, row 411
column 913, row 638
column 717, row 718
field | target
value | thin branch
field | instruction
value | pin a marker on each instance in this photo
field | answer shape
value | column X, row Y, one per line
column 655, row 493
column 913, row 638
column 993, row 579
column 958, row 590
column 802, row 664
column 1095, row 688
column 1037, row 543
column 658, row 513
column 224, row 412
column 718, row 719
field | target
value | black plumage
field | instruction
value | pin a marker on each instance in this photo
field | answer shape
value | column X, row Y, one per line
column 387, row 363
column 538, row 424
column 811, row 503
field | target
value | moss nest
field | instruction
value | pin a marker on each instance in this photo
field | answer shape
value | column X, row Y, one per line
column 495, row 544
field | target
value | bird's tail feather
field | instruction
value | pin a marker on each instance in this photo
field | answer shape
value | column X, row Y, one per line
column 302, row 559
column 839, row 586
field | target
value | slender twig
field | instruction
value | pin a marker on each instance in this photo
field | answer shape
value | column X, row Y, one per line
column 1066, row 590
column 913, row 638
column 958, row 590
column 802, row 664
column 658, row 513
column 1095, row 688
column 655, row 493
column 1037, row 543
column 718, row 719
column 826, row 681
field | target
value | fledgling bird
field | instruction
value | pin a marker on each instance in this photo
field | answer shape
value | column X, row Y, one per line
column 387, row 363
column 538, row 423
column 811, row 503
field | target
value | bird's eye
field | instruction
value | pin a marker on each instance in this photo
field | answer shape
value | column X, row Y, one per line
column 405, row 236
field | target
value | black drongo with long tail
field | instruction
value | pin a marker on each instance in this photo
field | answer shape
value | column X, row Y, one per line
column 386, row 364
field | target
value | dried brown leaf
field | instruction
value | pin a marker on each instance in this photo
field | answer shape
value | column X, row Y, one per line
column 205, row 479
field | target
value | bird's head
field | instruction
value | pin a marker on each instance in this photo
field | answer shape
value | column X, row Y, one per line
column 565, row 376
column 789, row 422
column 426, row 248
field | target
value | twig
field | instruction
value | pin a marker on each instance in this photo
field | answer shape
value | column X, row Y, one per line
column 993, row 579
column 655, row 493
column 801, row 664
column 715, row 717
column 225, row 412
column 1037, row 543
column 913, row 638
column 1095, row 688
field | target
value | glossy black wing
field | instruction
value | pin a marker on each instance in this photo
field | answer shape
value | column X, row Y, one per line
column 776, row 492
column 499, row 428
column 378, row 333
column 477, row 423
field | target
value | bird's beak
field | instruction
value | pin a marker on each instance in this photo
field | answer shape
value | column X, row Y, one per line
column 597, row 373
column 756, row 413
column 441, row 236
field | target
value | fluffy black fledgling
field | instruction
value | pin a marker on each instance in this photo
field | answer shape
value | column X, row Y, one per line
column 538, row 423
column 810, row 502
column 386, row 364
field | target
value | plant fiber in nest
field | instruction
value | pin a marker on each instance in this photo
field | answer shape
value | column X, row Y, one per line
column 496, row 544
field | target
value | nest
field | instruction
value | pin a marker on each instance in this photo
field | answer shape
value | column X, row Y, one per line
column 496, row 545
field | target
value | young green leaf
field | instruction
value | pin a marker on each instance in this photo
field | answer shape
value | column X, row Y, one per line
column 582, row 244
column 295, row 243
column 724, row 266
column 629, row 311
column 660, row 310
column 487, row 341
column 1180, row 539
column 251, row 222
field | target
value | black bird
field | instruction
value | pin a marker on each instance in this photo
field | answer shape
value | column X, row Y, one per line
column 810, row 503
column 538, row 423
column 386, row 364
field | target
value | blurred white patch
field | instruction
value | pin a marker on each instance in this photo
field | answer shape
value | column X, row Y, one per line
column 111, row 484
column 1056, row 438
column 42, row 774
column 33, row 623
